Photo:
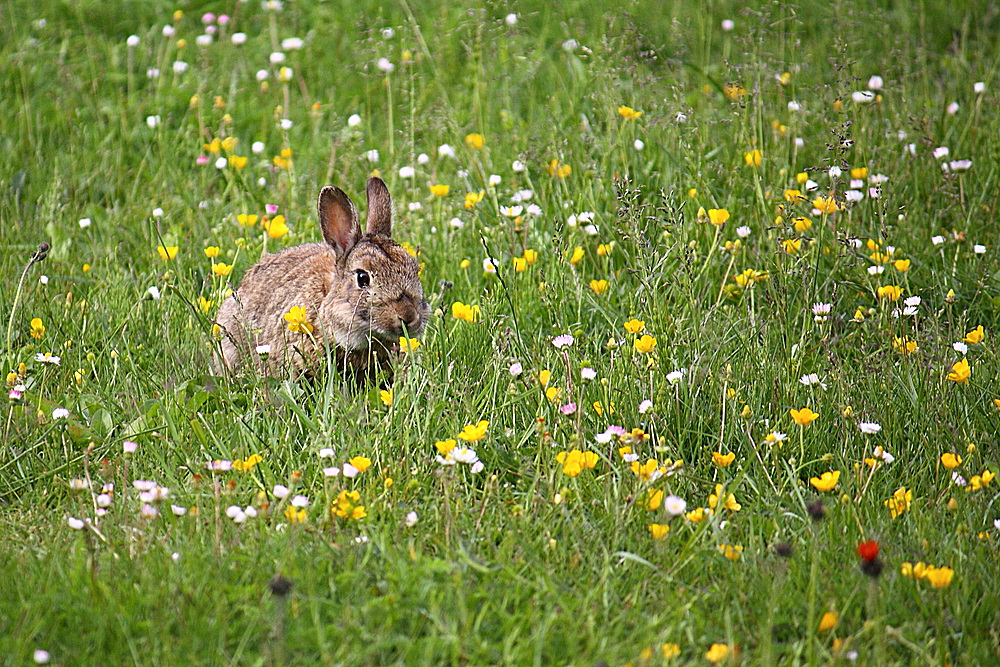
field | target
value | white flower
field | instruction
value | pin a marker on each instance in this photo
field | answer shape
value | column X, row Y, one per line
column 385, row 65
column 361, row 539
column 996, row 524
column 388, row 33
column 133, row 40
column 372, row 155
column 590, row 230
column 291, row 44
column 937, row 240
column 853, row 196
column 510, row 19
column 46, row 358
column 75, row 524
column 834, row 172
column 875, row 270
column 674, row 505
column 177, row 510
column 103, row 500
column 570, row 45
column 639, row 144
column 495, row 180
column 285, row 123
column 940, row 152
column 743, row 231
column 300, row 501
column 857, row 183
column 875, row 83
column 587, row 373
column 180, row 66
column 233, row 510
column 490, row 265
column 423, row 158
column 516, row 368
column 979, row 87
column 869, row 428
column 444, row 150
column 821, row 308
column 960, row 165
column 239, row 38
column 562, row 341
column 511, row 211
column 464, row 455
column 410, row 519
column 681, row 117
column 77, row 484
column 414, row 206
column 286, row 74
column 60, row 413
column 353, row 120
column 862, row 96
column 168, row 31
column 263, row 74
column 407, row 172
column 129, row 447
column 221, row 163
column 960, row 347
column 794, row 106
column 457, row 223
column 152, row 73
column 350, row 471
column 203, row 40
column 276, row 58
column 979, row 249
column 152, row 121
column 517, row 166
column 153, row 292
column 446, row 460
column 280, row 491
column 958, row 479
column 673, row 377
column 912, row 301
column 811, row 379
column 157, row 212
column 477, row 467
column 143, row 485
column 952, row 109
column 883, row 455
column 728, row 25
column 84, row 223
column 326, row 453
column 331, row 471
column 645, row 406
column 811, row 185
column 263, row 350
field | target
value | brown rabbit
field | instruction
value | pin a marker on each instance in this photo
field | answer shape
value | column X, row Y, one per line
column 360, row 294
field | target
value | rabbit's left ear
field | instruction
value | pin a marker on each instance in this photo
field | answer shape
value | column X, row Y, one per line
column 379, row 208
column 338, row 218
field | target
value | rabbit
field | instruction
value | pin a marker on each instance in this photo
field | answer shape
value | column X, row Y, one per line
column 361, row 293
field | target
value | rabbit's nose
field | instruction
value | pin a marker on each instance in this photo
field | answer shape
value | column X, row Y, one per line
column 409, row 318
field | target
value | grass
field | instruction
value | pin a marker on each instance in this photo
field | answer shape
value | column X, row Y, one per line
column 524, row 562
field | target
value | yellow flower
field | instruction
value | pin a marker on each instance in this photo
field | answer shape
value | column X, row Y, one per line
column 899, row 502
column 828, row 622
column 444, row 447
column 276, row 227
column 167, row 253
column 461, row 311
column 282, row 162
column 543, row 377
column 791, row 246
column 474, row 433
column 229, row 143
column 890, row 292
column 574, row 462
column 975, row 336
column 859, row 173
column 801, row 177
column 731, row 551
column 298, row 320
column 951, row 461
column 473, row 198
column 386, row 397
column 659, row 530
column 902, row 265
column 212, row 251
column 723, row 460
column 599, row 286
column 519, row 264
column 670, row 650
column 802, row 223
column 635, row 326
column 576, row 256
column 247, row 220
column 696, row 515
column 628, row 113
column 979, row 482
column 960, row 372
column 733, row 91
column 904, row 345
column 246, row 464
column 37, row 328
column 753, row 158
column 222, row 270
column 826, row 205
column 604, row 249
column 295, row 515
column 204, row 305
column 552, row 393
column 599, row 408
column 558, row 169
column 530, row 256
column 825, row 482
column 644, row 470
column 939, row 577
column 792, row 196
column 729, row 501
column 717, row 653
column 214, row 147
column 718, row 216
column 645, row 344
column 749, row 276
column 440, row 190
column 803, row 417
column 362, row 463
column 465, row 263
column 237, row 162
column 654, row 499
column 346, row 506
column 474, row 140
column 408, row 344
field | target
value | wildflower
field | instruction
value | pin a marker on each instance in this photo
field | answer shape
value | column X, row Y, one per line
column 827, row 622
column 635, row 326
column 674, row 377
column 473, row 198
column 811, row 379
column 890, row 292
column 826, row 205
column 576, row 461
column 951, row 461
column 730, row 551
column 658, row 530
column 791, row 246
column 276, row 227
column 899, row 502
column 346, row 506
column 559, row 169
column 298, row 320
column 474, row 141
column 645, row 406
column 729, row 501
column 37, row 328
column 801, row 224
column 803, row 417
column 223, row 270
column 599, row 286
column 461, row 311
column 718, row 216
column 674, row 506
column 979, row 482
column 723, row 460
column 869, row 428
column 386, row 396
column 490, row 265
column 645, row 344
column 733, row 91
column 975, row 336
column 939, row 577
column 904, row 345
column 697, row 515
column 576, row 256
column 167, row 253
column 960, row 372
column 753, row 158
column 654, row 499
column 242, row 465
column 474, row 433
column 562, row 341
column 628, row 113
column 825, row 482
column 440, row 190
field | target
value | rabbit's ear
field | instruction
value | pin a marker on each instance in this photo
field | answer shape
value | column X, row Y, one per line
column 338, row 218
column 379, row 208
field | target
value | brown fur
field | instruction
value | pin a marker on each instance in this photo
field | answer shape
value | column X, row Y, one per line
column 362, row 325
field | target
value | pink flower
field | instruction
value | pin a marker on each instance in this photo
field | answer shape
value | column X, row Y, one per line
column 202, row 159
column 271, row 209
column 568, row 409
column 208, row 18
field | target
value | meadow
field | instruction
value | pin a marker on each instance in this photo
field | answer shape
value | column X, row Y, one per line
column 710, row 375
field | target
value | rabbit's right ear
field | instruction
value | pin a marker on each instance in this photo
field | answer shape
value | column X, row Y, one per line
column 338, row 218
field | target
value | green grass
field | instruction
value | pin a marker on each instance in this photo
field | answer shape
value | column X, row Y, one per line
column 520, row 563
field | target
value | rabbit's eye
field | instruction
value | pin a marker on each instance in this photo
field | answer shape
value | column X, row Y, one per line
column 364, row 280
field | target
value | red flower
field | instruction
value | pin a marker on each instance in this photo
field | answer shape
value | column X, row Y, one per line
column 868, row 550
